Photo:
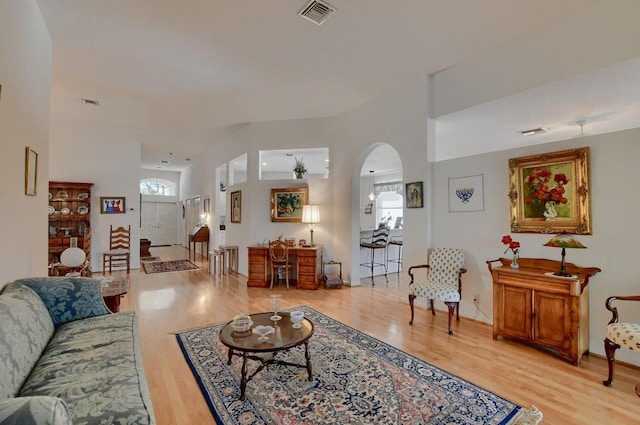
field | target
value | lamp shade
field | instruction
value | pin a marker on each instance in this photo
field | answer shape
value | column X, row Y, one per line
column 311, row 214
column 564, row 240
column 73, row 256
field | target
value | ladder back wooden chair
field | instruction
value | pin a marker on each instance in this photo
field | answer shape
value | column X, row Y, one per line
column 119, row 249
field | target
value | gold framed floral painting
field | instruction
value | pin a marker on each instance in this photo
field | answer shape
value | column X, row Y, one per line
column 286, row 204
column 550, row 192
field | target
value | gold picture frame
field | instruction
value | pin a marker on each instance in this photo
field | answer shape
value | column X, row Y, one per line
column 551, row 193
column 286, row 204
column 31, row 172
column 236, row 206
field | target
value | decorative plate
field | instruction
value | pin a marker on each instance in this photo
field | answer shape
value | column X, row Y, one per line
column 83, row 210
column 50, row 195
column 51, row 210
column 83, row 195
column 65, row 211
column 62, row 194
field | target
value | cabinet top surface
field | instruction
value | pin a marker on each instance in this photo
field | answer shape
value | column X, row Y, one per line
column 541, row 267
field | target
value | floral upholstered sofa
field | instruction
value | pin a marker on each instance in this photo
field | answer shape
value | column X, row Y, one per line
column 66, row 359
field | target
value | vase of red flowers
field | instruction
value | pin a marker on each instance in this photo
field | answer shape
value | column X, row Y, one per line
column 514, row 246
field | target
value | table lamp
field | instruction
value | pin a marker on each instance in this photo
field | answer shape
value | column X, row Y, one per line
column 311, row 216
column 73, row 256
column 564, row 240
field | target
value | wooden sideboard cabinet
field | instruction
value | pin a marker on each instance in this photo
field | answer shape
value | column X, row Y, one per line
column 307, row 264
column 533, row 306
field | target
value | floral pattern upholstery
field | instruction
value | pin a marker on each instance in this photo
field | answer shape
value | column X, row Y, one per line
column 626, row 335
column 25, row 330
column 34, row 410
column 442, row 277
column 87, row 370
column 68, row 298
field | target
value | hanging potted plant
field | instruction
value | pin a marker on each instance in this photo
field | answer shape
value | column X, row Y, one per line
column 299, row 168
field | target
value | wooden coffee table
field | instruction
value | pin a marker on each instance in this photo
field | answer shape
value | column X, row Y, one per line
column 246, row 344
column 112, row 291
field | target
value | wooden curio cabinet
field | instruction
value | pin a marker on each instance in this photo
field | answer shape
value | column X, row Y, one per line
column 69, row 216
column 532, row 305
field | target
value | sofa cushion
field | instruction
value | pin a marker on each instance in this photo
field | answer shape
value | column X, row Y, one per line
column 95, row 365
column 34, row 411
column 68, row 298
column 25, row 330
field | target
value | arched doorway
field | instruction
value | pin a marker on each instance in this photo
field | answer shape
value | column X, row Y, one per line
column 378, row 201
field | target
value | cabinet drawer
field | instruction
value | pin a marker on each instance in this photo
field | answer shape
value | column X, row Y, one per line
column 306, row 253
column 257, row 268
column 307, row 260
column 306, row 278
column 302, row 269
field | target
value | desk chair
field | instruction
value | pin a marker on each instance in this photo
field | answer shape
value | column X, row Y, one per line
column 443, row 281
column 279, row 256
column 377, row 242
column 119, row 249
column 620, row 335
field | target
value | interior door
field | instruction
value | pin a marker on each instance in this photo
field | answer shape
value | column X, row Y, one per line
column 159, row 223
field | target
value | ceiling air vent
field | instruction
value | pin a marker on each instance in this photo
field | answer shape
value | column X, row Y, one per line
column 534, row 131
column 317, row 11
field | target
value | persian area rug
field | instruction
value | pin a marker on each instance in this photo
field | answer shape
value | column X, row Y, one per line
column 168, row 266
column 357, row 379
column 150, row 259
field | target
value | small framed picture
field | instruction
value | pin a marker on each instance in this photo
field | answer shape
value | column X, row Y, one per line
column 112, row 205
column 302, row 242
column 31, row 172
column 413, row 195
column 236, row 206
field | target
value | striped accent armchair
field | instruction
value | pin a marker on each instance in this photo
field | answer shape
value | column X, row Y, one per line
column 443, row 281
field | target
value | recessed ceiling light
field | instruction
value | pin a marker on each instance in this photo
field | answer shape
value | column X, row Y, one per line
column 534, row 131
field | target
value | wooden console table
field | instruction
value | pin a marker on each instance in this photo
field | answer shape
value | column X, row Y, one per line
column 306, row 260
column 533, row 306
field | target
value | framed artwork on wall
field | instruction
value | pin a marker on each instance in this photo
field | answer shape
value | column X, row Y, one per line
column 286, row 204
column 31, row 172
column 236, row 206
column 413, row 195
column 466, row 193
column 112, row 205
column 550, row 192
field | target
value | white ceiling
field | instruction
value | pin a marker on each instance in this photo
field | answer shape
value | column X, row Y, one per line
column 184, row 74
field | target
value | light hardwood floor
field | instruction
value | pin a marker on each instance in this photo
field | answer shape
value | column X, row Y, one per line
column 170, row 302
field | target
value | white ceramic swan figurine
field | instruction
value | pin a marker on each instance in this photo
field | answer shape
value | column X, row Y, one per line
column 550, row 210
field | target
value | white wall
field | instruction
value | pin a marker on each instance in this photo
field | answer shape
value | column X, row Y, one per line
column 399, row 119
column 110, row 159
column 614, row 156
column 25, row 75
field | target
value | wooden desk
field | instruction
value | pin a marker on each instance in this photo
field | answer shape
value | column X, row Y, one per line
column 306, row 260
column 532, row 306
column 199, row 234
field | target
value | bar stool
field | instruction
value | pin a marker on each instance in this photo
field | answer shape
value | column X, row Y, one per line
column 230, row 253
column 398, row 243
column 377, row 241
column 216, row 261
